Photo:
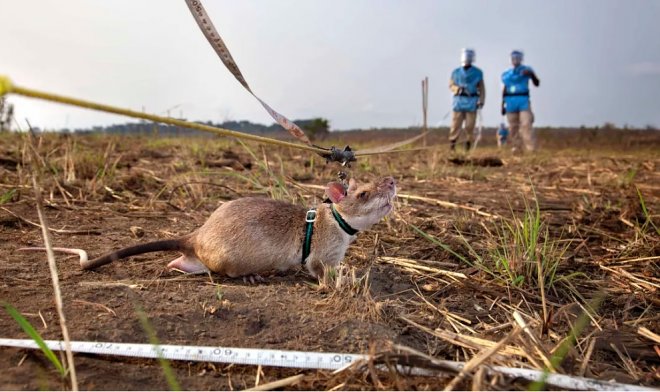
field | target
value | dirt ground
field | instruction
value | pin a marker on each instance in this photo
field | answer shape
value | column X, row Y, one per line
column 106, row 192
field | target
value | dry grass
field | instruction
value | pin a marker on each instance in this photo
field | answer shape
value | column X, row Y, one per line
column 492, row 266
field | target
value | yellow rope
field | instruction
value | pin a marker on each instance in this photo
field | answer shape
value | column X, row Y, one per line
column 6, row 87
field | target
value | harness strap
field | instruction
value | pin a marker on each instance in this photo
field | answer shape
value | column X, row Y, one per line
column 466, row 94
column 521, row 94
column 342, row 223
column 310, row 218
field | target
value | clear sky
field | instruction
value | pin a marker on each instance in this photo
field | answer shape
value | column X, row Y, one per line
column 358, row 63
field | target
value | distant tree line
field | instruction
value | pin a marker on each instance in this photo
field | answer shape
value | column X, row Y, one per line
column 316, row 128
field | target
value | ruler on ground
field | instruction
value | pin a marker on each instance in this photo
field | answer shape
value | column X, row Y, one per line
column 301, row 360
column 241, row 356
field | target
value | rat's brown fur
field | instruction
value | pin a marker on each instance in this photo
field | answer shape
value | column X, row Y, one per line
column 255, row 235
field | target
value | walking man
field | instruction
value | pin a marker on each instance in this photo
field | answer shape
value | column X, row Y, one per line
column 502, row 135
column 467, row 85
column 515, row 102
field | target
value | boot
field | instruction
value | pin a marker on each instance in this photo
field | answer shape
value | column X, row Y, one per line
column 468, row 144
column 452, row 145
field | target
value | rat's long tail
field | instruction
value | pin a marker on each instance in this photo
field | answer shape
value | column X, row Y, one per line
column 180, row 244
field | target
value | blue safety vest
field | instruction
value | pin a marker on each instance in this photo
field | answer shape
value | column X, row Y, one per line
column 503, row 133
column 468, row 79
column 516, row 94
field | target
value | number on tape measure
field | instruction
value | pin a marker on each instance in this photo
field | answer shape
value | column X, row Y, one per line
column 241, row 356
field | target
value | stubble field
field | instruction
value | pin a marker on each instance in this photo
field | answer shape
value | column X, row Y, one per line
column 564, row 238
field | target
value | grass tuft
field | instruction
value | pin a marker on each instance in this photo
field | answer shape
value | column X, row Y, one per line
column 153, row 339
column 36, row 337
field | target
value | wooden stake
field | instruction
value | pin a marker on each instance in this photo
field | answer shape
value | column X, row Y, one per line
column 425, row 106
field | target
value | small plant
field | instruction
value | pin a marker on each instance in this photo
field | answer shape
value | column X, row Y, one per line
column 153, row 339
column 628, row 177
column 524, row 252
column 329, row 279
column 648, row 221
column 218, row 293
column 570, row 342
column 34, row 335
column 7, row 196
column 521, row 251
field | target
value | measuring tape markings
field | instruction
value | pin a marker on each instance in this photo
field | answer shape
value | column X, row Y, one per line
column 241, row 356
column 303, row 360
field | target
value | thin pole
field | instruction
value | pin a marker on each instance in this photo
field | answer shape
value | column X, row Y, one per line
column 425, row 105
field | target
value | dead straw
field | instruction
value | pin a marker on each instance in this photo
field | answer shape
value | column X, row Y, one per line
column 417, row 265
column 55, row 278
column 448, row 204
column 480, row 358
column 469, row 342
column 649, row 335
column 535, row 343
column 278, row 384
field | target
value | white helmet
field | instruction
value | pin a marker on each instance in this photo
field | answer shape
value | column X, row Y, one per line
column 517, row 56
column 467, row 56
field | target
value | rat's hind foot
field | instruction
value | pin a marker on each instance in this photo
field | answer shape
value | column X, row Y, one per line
column 253, row 279
column 188, row 265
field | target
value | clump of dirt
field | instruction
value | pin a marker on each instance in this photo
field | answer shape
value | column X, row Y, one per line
column 480, row 161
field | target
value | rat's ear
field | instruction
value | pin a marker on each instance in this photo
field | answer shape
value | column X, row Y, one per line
column 352, row 185
column 335, row 192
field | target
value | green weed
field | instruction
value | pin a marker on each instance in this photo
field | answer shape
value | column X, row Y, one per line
column 648, row 222
column 153, row 339
column 7, row 196
column 34, row 335
column 520, row 252
column 627, row 178
column 567, row 345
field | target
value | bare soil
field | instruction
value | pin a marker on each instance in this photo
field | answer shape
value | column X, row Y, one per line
column 113, row 192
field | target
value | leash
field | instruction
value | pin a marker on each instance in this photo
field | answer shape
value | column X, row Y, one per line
column 333, row 154
column 344, row 156
column 7, row 87
column 208, row 29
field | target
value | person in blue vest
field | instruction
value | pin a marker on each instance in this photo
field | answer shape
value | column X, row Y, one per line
column 515, row 102
column 467, row 86
column 502, row 135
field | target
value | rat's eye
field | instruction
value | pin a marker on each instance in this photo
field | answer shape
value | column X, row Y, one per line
column 363, row 195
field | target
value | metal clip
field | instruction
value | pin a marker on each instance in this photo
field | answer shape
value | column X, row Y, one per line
column 311, row 215
column 345, row 156
column 343, row 179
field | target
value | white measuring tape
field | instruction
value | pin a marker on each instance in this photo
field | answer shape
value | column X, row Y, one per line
column 241, row 356
column 299, row 360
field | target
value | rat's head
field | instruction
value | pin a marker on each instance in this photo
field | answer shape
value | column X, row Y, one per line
column 363, row 205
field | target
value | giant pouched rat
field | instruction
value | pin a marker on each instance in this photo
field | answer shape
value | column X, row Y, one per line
column 253, row 235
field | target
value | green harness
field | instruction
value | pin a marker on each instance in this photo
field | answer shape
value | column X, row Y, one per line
column 310, row 218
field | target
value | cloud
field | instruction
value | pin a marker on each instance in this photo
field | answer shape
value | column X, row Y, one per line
column 644, row 68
